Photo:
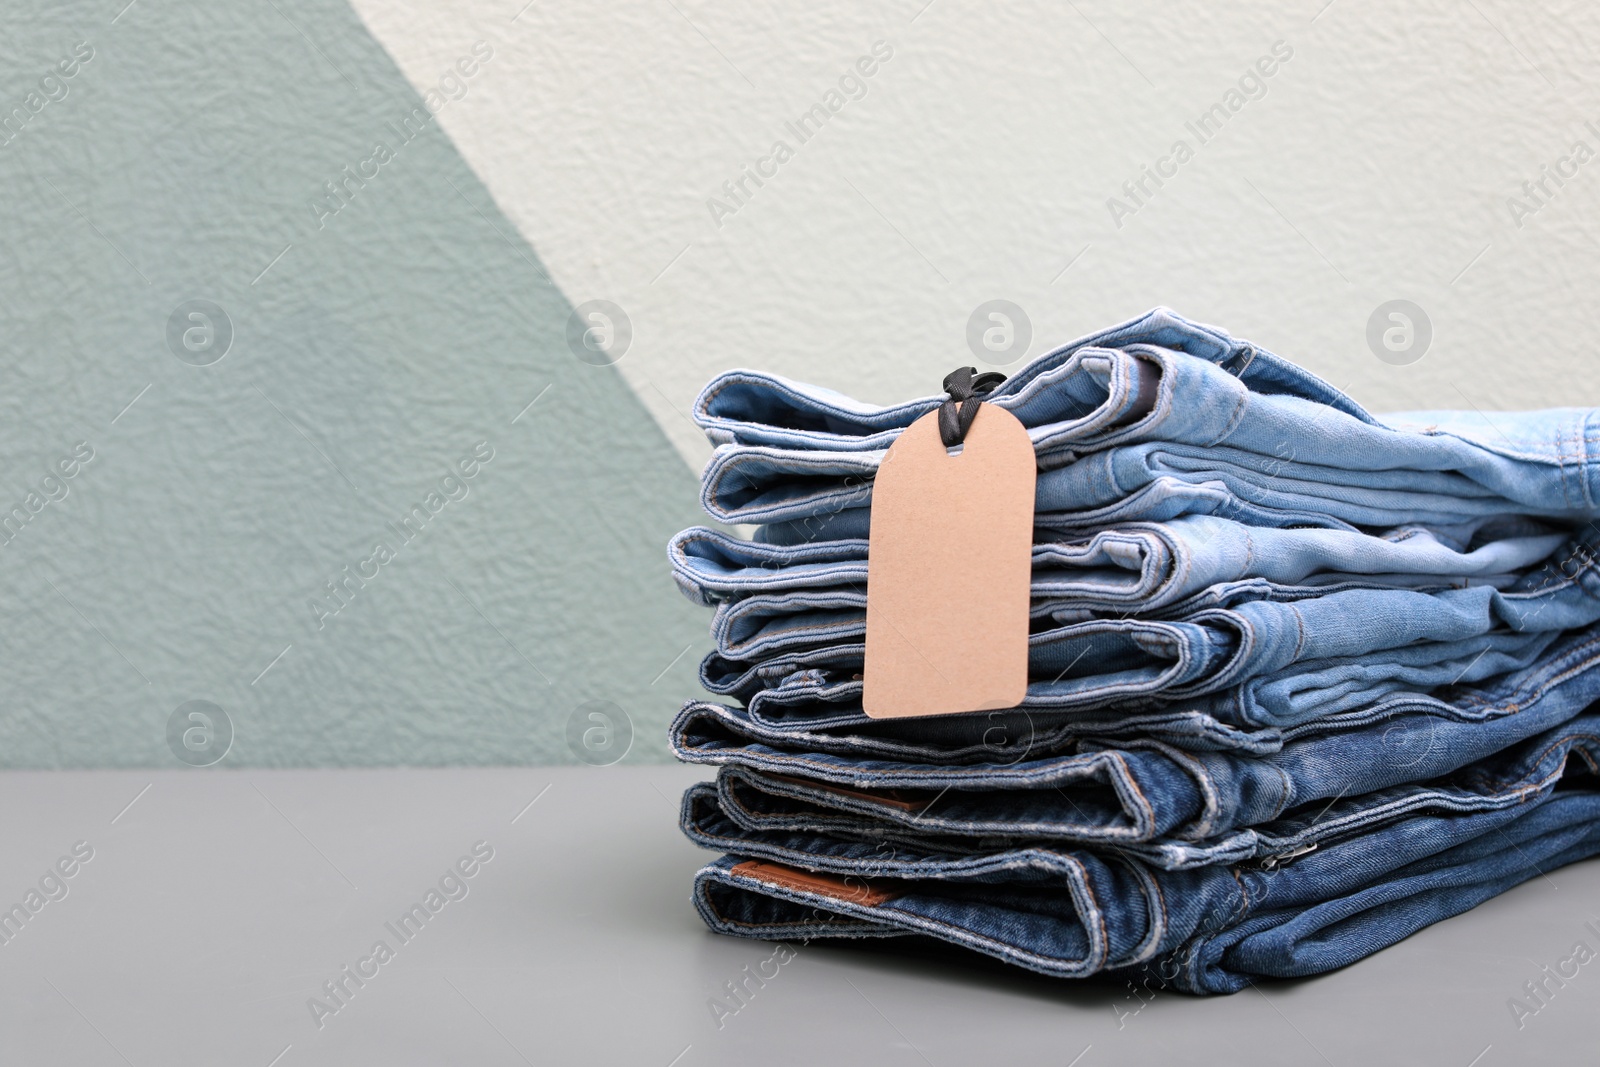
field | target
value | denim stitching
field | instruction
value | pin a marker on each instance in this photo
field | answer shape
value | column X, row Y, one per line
column 918, row 923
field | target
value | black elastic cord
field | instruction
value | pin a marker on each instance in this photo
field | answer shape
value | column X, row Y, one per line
column 965, row 386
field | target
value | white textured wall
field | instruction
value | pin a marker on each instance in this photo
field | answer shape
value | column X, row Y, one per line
column 374, row 346
column 1377, row 166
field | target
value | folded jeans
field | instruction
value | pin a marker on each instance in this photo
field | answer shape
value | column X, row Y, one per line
column 1144, row 566
column 1138, row 790
column 1214, row 929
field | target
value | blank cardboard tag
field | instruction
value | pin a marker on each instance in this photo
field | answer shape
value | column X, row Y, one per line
column 948, row 570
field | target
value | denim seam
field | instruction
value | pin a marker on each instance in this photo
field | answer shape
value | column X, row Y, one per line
column 678, row 549
column 743, row 650
column 1155, row 912
column 1577, row 661
column 1300, row 632
column 1233, row 665
column 1145, row 821
column 1587, row 757
column 703, row 402
column 849, row 630
column 729, row 801
column 1223, row 917
column 1185, row 560
column 834, row 920
column 761, row 645
column 918, row 923
column 754, row 821
column 1080, row 833
column 745, row 513
column 1160, row 899
column 803, row 463
column 1104, row 942
column 1285, row 794
column 1235, row 417
column 1510, row 786
column 1580, row 460
column 843, row 629
column 702, row 405
column 1564, row 468
column 1138, row 828
column 1210, row 800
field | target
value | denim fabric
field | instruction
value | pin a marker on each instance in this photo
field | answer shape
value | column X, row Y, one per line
column 1425, row 638
column 847, row 523
column 728, row 816
column 1075, row 913
column 986, row 737
column 1301, row 681
column 827, row 682
column 1007, row 736
column 1159, row 480
column 1144, row 791
column 1273, row 627
column 1088, row 385
column 1277, row 447
column 788, row 696
column 1144, row 566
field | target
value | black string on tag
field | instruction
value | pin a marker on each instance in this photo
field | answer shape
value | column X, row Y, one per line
column 965, row 387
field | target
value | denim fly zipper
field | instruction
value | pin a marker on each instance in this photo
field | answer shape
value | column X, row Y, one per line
column 1283, row 859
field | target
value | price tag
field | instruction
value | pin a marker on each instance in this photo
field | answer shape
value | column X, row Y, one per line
column 948, row 570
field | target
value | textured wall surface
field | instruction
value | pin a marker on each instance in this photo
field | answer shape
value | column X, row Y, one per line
column 1374, row 163
column 374, row 348
column 382, row 331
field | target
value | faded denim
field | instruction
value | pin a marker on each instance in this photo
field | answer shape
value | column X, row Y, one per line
column 1175, row 807
column 1146, row 566
column 1129, row 427
column 1267, row 662
column 1077, row 912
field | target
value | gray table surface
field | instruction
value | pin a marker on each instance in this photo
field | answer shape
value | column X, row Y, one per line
column 218, row 902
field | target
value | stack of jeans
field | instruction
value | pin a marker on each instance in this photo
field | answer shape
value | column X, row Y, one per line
column 1302, row 681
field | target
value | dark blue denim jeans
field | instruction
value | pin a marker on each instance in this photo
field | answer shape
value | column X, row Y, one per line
column 1075, row 912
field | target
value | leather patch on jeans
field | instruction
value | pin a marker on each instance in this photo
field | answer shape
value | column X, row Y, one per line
column 851, row 890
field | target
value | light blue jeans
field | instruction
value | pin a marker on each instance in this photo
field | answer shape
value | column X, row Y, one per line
column 1160, row 417
column 764, row 625
column 1146, row 567
column 1262, row 662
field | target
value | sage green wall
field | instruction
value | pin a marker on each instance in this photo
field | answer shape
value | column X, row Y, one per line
column 372, row 348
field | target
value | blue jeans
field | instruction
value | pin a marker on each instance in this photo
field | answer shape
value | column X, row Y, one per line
column 1088, row 386
column 759, row 627
column 986, row 737
column 1160, row 480
column 1173, row 807
column 1075, row 912
column 1147, row 567
column 1160, row 417
column 1270, row 662
column 828, row 681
